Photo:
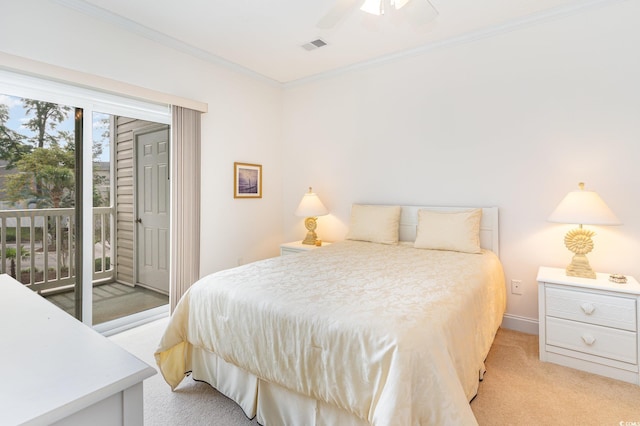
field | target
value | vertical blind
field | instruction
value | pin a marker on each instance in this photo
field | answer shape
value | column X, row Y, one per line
column 185, row 206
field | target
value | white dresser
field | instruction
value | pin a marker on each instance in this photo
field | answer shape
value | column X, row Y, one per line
column 57, row 371
column 590, row 324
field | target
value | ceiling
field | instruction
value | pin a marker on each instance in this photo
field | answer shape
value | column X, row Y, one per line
column 264, row 37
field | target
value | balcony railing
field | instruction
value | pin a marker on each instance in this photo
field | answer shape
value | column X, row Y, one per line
column 38, row 246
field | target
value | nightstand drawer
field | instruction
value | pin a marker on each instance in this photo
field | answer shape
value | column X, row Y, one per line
column 592, row 308
column 592, row 339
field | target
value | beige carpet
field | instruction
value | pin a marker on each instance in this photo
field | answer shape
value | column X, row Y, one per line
column 517, row 390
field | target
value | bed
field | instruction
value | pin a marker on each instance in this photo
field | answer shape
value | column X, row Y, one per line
column 369, row 330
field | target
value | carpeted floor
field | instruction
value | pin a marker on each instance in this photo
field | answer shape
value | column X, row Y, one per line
column 193, row 403
column 517, row 390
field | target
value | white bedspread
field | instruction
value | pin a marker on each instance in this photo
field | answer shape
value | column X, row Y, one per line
column 392, row 334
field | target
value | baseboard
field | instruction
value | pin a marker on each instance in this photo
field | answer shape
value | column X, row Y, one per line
column 522, row 324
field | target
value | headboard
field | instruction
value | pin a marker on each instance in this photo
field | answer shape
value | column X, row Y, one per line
column 489, row 231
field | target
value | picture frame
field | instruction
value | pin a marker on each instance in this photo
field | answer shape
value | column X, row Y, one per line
column 247, row 180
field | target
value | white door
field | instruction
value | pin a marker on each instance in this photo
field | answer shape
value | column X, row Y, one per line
column 152, row 207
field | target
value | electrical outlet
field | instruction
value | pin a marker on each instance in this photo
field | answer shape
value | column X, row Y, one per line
column 516, row 287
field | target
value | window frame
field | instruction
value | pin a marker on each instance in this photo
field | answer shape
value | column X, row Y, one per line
column 90, row 100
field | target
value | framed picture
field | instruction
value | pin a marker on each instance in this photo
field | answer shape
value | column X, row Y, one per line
column 247, row 180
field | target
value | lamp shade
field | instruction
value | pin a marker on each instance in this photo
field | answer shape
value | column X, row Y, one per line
column 311, row 206
column 583, row 208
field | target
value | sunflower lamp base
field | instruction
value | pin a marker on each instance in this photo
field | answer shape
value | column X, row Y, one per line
column 579, row 242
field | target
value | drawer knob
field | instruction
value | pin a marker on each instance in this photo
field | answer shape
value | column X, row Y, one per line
column 588, row 339
column 588, row 308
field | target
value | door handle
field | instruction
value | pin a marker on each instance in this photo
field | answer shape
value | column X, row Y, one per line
column 139, row 220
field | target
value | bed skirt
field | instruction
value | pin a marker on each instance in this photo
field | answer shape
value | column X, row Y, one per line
column 270, row 403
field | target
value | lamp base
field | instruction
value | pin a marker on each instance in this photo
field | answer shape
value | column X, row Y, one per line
column 580, row 267
column 580, row 243
column 310, row 238
column 310, row 224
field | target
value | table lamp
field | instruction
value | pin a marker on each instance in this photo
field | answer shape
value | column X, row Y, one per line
column 311, row 207
column 582, row 207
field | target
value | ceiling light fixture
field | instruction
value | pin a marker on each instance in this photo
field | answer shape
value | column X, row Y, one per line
column 377, row 7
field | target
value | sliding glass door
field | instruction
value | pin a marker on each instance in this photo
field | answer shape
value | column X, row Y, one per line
column 38, row 177
column 84, row 199
column 131, row 216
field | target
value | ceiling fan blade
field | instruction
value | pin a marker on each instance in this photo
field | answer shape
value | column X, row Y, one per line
column 336, row 13
column 420, row 12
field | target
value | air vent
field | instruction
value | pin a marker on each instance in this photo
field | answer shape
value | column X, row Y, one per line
column 315, row 44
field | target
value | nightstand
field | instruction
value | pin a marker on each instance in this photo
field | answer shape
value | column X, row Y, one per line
column 589, row 324
column 298, row 247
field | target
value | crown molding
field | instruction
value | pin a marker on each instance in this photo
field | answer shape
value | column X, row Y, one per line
column 560, row 12
column 512, row 25
column 158, row 37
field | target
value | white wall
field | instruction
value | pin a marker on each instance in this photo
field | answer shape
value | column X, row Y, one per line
column 243, row 123
column 514, row 120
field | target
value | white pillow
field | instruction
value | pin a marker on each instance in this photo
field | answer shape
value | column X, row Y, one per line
column 377, row 224
column 455, row 231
